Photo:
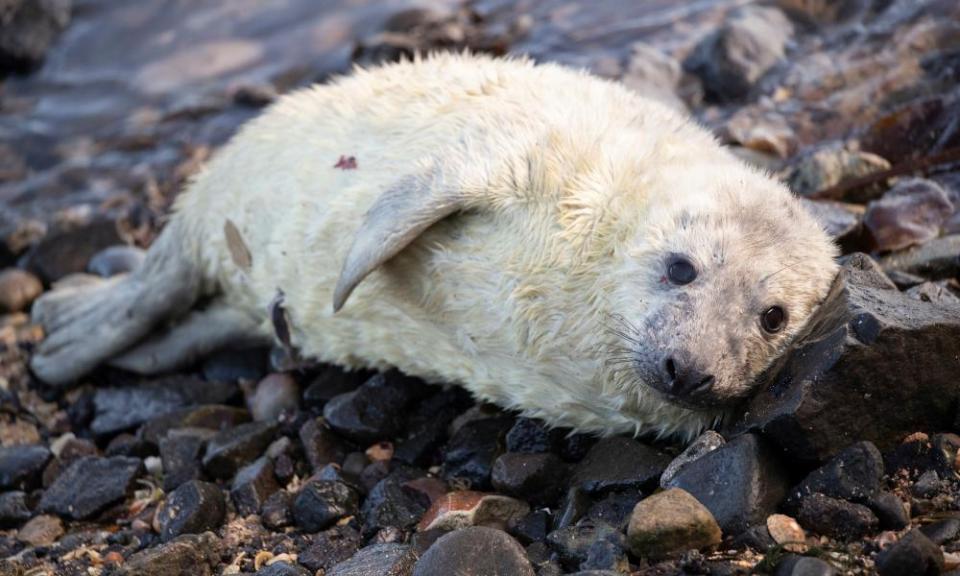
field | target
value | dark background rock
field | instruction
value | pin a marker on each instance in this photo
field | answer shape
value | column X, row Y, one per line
column 90, row 485
column 475, row 551
column 68, row 251
column 193, row 508
column 21, row 466
column 28, row 28
column 619, row 463
column 875, row 366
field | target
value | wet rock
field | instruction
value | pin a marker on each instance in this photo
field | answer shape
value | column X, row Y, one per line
column 370, row 413
column 793, row 565
column 22, row 466
column 927, row 485
column 836, row 518
column 741, row 482
column 210, row 417
column 937, row 259
column 276, row 394
column 116, row 260
column 277, row 511
column 282, row 569
column 575, row 447
column 252, row 485
column 537, row 478
column 474, row 551
column 459, row 509
column 617, row 464
column 589, row 538
column 65, row 252
column 669, row 523
column 181, row 451
column 229, row 450
column 704, row 444
column 615, row 509
column 321, row 446
column 890, row 511
column 855, row 376
column 943, row 531
column 733, row 58
column 529, row 436
column 913, row 555
column 321, row 503
column 912, row 212
column 330, row 382
column 122, row 408
column 428, row 427
column 391, row 504
column 829, row 166
column 28, row 30
column 473, row 449
column 574, row 506
column 13, row 509
column 193, row 508
column 188, row 555
column 533, row 527
column 854, row 474
column 330, row 548
column 90, row 485
column 386, row 559
column 41, row 531
column 18, row 289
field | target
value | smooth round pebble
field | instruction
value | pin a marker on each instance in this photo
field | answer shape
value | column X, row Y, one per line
column 116, row 260
column 18, row 289
column 474, row 551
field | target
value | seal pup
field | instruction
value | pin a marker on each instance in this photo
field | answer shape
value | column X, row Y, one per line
column 550, row 240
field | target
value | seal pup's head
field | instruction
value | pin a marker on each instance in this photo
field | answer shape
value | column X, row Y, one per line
column 726, row 271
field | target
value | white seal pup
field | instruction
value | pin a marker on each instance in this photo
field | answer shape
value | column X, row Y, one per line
column 551, row 241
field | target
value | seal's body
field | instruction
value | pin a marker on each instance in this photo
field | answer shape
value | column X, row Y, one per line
column 551, row 241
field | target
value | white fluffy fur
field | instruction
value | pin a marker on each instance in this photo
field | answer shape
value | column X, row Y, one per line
column 575, row 188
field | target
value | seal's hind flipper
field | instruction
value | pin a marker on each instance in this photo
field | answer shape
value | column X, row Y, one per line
column 86, row 325
column 198, row 334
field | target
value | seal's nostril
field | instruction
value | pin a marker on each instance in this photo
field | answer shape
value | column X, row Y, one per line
column 671, row 369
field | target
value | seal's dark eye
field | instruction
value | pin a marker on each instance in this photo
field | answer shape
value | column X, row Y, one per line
column 681, row 271
column 773, row 319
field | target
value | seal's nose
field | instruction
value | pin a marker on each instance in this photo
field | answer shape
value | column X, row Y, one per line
column 685, row 378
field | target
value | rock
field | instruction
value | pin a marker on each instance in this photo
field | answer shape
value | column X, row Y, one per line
column 943, row 531
column 22, row 466
column 65, row 252
column 252, row 485
column 474, row 551
column 122, row 408
column 90, row 485
column 937, row 259
column 786, row 532
column 13, row 509
column 321, row 446
column 941, row 292
column 41, row 531
column 236, row 364
column 913, row 555
column 211, row 417
column 193, row 508
column 460, row 509
column 588, row 538
column 912, row 212
column 919, row 127
column 18, row 289
column 615, row 509
column 574, row 506
column 320, row 503
column 836, row 518
column 255, row 95
column 276, row 512
column 377, row 560
column 231, row 449
column 855, row 376
column 282, row 569
column 733, row 58
column 533, row 527
column 391, row 504
column 369, row 413
column 537, row 478
column 618, row 463
column 575, row 447
column 927, row 485
column 793, row 565
column 116, row 260
column 473, row 449
column 181, row 451
column 276, row 394
column 188, row 555
column 705, row 443
column 828, row 166
column 330, row 548
column 28, row 30
column 890, row 511
column 669, row 523
column 741, row 482
column 854, row 474
column 529, row 436
column 840, row 220
column 428, row 426
column 654, row 74
column 331, row 382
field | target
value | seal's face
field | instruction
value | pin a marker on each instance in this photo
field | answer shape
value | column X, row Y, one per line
column 725, row 284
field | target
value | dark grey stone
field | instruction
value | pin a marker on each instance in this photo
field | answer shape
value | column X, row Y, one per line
column 537, row 478
column 836, row 518
column 913, row 555
column 377, row 560
column 235, row 447
column 22, row 466
column 193, row 508
column 90, row 485
column 617, row 464
column 854, row 474
column 475, row 551
column 321, row 503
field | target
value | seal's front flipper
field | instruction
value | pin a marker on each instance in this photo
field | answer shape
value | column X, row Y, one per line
column 86, row 325
column 197, row 335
